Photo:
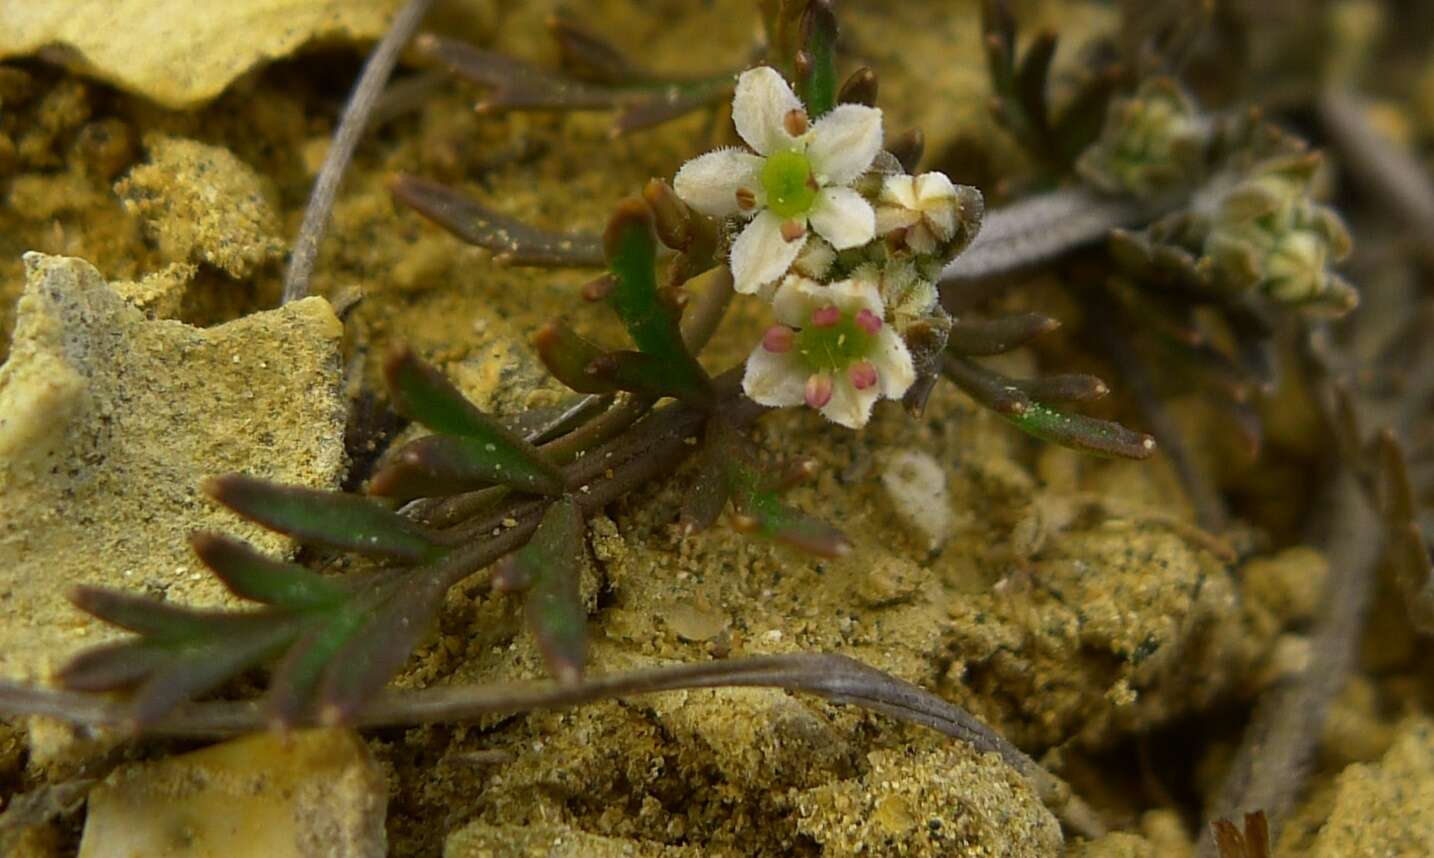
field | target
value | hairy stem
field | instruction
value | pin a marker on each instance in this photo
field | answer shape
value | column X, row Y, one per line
column 341, row 151
column 1042, row 228
column 1277, row 749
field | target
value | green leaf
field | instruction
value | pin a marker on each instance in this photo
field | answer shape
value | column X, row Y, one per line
column 369, row 659
column 1086, row 434
column 447, row 464
column 816, row 61
column 489, row 452
column 651, row 318
column 298, row 673
column 551, row 565
column 253, row 576
column 155, row 620
column 325, row 518
column 568, row 356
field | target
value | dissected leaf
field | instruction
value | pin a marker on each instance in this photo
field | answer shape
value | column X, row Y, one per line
column 324, row 518
column 253, row 576
column 511, row 241
column 550, row 566
column 367, row 660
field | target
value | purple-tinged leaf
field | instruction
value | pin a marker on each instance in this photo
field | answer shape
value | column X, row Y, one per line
column 368, row 660
column 589, row 57
column 567, row 356
column 113, row 666
column 448, row 464
column 1069, row 387
column 298, row 673
column 205, row 667
column 991, row 390
column 251, row 575
column 511, row 241
column 552, row 565
column 982, row 337
column 155, row 620
column 332, row 519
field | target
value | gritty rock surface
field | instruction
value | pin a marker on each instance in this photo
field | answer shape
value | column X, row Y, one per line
column 1373, row 809
column 930, row 798
column 552, row 840
column 315, row 794
column 177, row 52
column 201, row 203
column 108, row 422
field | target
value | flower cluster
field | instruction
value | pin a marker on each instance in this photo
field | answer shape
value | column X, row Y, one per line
column 843, row 243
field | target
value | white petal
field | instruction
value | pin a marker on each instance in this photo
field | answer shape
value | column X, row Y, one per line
column 795, row 300
column 709, row 182
column 893, row 363
column 762, row 101
column 899, row 191
column 852, row 296
column 933, row 187
column 921, row 238
column 843, row 217
column 894, row 217
column 844, row 143
column 848, row 406
column 774, row 379
column 760, row 254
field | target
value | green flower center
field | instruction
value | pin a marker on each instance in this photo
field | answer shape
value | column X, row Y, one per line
column 835, row 347
column 786, row 177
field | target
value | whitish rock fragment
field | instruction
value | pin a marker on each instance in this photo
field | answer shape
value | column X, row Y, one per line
column 180, row 53
column 916, row 484
column 203, row 204
column 315, row 794
column 108, row 421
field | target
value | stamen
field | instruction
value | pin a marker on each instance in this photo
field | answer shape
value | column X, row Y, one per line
column 862, row 375
column 793, row 230
column 779, row 339
column 825, row 317
column 868, row 321
column 746, row 199
column 819, row 390
column 795, row 122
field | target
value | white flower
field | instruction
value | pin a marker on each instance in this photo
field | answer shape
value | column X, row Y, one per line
column 798, row 177
column 923, row 206
column 831, row 350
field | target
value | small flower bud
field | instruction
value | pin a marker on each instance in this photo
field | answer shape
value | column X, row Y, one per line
column 825, row 317
column 819, row 390
column 868, row 321
column 862, row 375
column 779, row 339
column 795, row 122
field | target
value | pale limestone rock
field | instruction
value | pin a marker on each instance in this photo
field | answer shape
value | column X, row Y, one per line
column 108, row 422
column 314, row 794
column 178, row 52
column 201, row 203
